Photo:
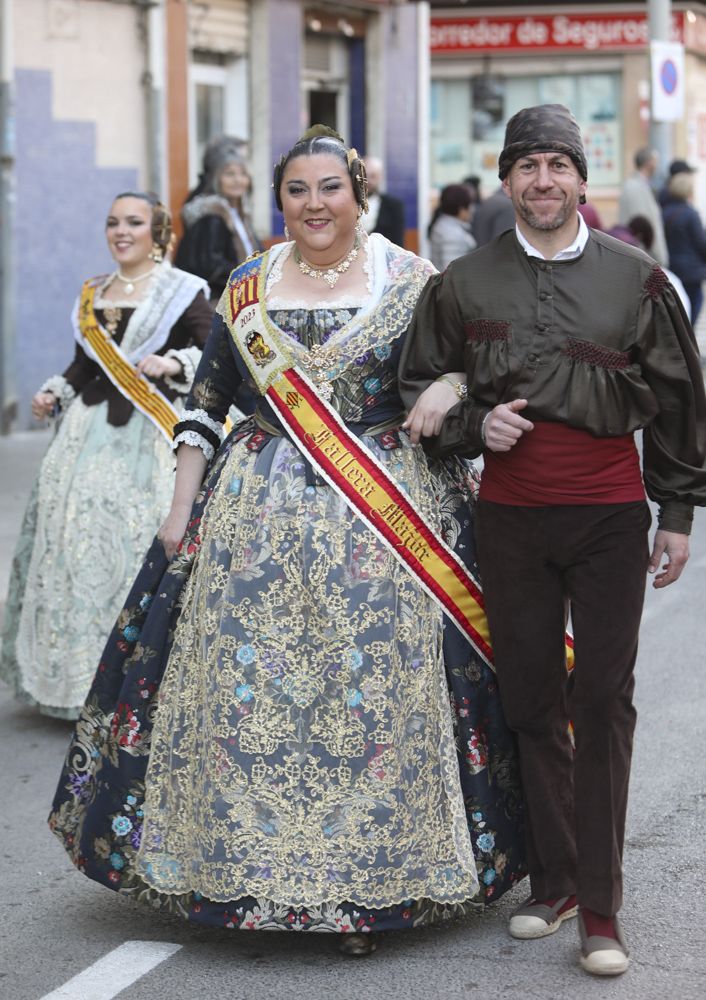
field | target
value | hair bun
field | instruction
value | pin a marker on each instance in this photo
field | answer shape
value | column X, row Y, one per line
column 322, row 131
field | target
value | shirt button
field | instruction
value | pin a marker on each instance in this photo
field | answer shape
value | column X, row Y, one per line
column 541, row 327
column 532, row 358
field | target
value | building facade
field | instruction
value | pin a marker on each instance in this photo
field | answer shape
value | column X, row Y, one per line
column 106, row 96
column 489, row 61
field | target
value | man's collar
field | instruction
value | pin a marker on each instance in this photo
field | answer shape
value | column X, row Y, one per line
column 574, row 249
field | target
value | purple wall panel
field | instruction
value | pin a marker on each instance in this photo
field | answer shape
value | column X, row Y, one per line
column 285, row 60
column 62, row 201
column 401, row 110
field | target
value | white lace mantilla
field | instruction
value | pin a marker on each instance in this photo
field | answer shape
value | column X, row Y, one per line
column 149, row 327
column 278, row 260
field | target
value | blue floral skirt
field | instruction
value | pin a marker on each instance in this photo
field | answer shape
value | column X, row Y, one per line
column 99, row 807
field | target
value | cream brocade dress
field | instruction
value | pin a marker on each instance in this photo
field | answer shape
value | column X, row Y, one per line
column 303, row 763
column 100, row 494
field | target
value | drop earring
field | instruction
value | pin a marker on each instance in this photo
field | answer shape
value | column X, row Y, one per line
column 286, row 233
column 156, row 253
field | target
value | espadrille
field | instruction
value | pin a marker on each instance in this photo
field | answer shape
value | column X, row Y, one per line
column 603, row 956
column 535, row 919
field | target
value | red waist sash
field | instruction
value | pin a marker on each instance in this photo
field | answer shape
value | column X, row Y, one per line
column 555, row 465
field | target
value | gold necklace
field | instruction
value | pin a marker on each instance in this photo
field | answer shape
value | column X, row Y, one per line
column 131, row 282
column 328, row 274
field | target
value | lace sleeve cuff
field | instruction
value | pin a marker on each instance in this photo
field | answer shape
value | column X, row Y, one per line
column 198, row 429
column 61, row 388
column 197, row 441
column 188, row 358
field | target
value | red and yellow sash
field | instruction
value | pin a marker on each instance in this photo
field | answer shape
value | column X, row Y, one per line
column 365, row 484
column 145, row 396
column 345, row 462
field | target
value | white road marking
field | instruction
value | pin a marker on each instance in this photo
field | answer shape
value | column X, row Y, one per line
column 114, row 972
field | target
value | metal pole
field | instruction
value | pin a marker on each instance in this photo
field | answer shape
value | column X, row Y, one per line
column 423, row 156
column 659, row 13
column 154, row 88
column 8, row 399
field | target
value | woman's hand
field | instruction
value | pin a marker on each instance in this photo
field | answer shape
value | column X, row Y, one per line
column 174, row 528
column 43, row 404
column 157, row 366
column 427, row 415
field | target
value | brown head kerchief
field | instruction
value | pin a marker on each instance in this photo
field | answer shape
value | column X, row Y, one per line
column 543, row 129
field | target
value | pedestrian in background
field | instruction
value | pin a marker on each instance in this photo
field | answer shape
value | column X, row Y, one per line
column 493, row 216
column 591, row 215
column 105, row 482
column 686, row 239
column 640, row 229
column 638, row 198
column 385, row 214
column 570, row 341
column 678, row 166
column 271, row 743
column 218, row 233
column 472, row 182
column 450, row 230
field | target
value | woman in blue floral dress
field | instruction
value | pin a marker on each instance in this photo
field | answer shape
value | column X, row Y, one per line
column 284, row 731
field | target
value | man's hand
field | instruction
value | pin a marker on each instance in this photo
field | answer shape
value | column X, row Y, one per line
column 676, row 548
column 503, row 427
column 427, row 415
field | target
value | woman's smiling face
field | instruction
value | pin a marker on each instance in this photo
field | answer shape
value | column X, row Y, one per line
column 128, row 230
column 319, row 207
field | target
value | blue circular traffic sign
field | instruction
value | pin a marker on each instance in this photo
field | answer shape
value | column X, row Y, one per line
column 668, row 76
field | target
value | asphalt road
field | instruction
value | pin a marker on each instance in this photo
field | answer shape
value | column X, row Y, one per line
column 56, row 924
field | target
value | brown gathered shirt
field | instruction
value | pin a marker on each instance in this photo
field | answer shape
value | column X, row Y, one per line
column 599, row 342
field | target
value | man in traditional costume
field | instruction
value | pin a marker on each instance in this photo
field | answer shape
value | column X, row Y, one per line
column 568, row 341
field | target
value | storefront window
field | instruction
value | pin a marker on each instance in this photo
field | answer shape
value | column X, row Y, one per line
column 468, row 118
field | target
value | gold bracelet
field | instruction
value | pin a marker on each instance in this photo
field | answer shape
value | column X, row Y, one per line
column 460, row 388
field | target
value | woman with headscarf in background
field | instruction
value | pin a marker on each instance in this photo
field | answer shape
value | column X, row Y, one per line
column 218, row 233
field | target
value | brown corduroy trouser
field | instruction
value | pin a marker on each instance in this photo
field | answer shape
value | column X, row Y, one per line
column 534, row 562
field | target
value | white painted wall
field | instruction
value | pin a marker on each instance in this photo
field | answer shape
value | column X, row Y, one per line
column 95, row 54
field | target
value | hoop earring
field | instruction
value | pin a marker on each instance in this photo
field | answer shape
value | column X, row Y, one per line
column 156, row 253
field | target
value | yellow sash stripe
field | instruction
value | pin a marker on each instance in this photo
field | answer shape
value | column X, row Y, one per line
column 135, row 387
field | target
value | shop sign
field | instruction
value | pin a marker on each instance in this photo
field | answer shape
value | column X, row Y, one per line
column 542, row 32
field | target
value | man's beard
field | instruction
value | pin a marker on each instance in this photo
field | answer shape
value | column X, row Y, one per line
column 524, row 210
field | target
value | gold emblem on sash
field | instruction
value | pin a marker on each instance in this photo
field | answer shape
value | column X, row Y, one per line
column 261, row 353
